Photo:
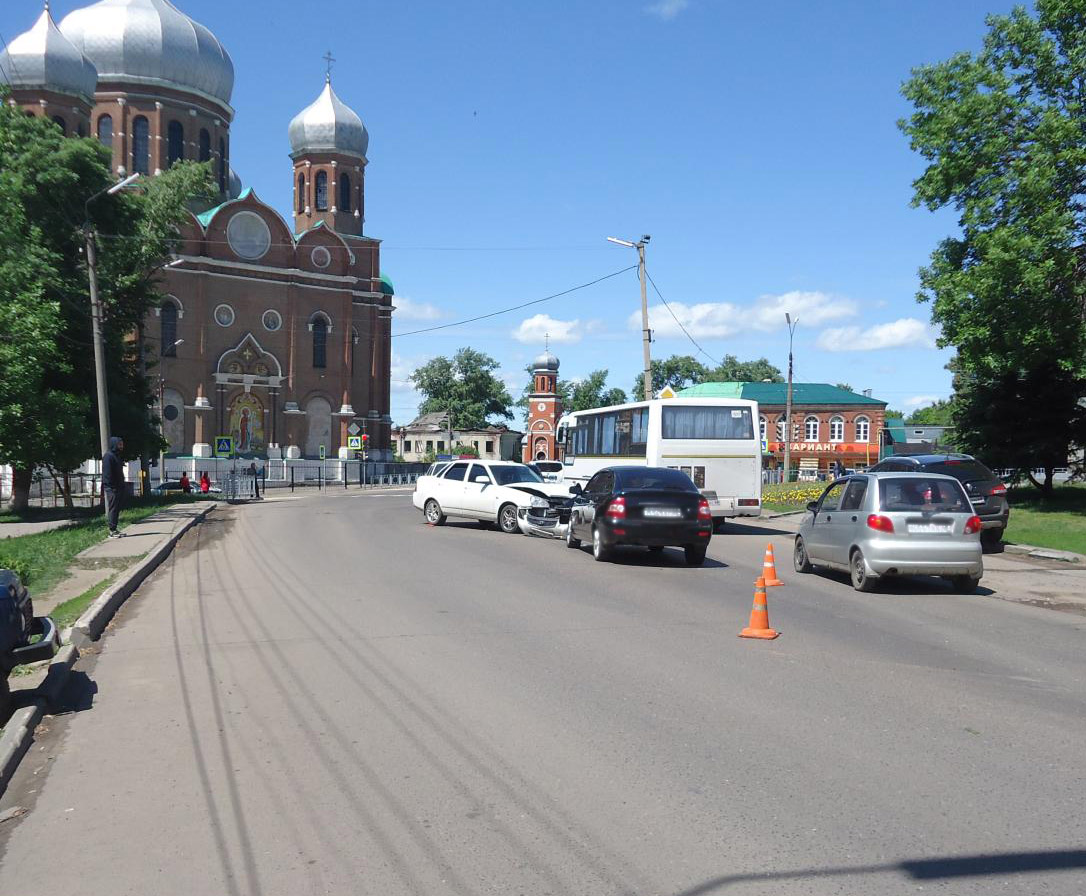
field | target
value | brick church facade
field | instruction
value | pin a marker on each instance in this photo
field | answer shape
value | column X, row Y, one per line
column 276, row 334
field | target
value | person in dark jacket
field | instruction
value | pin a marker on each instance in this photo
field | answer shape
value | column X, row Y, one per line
column 113, row 482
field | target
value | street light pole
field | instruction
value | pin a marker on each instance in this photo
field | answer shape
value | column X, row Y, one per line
column 646, row 333
column 788, row 403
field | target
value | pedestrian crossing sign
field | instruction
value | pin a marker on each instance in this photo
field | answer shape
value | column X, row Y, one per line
column 224, row 446
column 354, row 443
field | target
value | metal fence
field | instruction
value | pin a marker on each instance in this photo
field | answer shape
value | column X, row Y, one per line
column 243, row 480
column 86, row 490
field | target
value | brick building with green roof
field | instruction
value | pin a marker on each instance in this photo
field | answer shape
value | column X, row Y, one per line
column 829, row 425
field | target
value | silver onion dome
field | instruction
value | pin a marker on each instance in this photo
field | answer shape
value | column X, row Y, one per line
column 546, row 361
column 236, row 186
column 151, row 42
column 328, row 125
column 45, row 58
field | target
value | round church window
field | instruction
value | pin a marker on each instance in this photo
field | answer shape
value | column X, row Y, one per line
column 224, row 315
column 248, row 235
column 272, row 320
column 170, row 413
column 321, row 257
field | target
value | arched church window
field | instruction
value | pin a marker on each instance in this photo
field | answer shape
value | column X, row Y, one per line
column 344, row 192
column 322, row 191
column 205, row 145
column 62, row 124
column 320, row 342
column 168, row 322
column 105, row 131
column 175, row 142
column 222, row 165
column 141, row 146
column 301, row 193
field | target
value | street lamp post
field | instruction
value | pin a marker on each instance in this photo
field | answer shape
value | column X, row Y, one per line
column 788, row 402
column 646, row 333
column 96, row 311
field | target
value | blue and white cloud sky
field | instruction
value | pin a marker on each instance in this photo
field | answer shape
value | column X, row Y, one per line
column 756, row 143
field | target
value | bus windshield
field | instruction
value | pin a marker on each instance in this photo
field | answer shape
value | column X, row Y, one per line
column 707, row 423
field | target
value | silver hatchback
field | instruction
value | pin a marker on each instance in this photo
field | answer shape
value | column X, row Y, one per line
column 873, row 525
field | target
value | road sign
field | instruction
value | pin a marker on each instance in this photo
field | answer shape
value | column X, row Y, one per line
column 324, row 452
column 354, row 429
column 354, row 443
column 666, row 392
column 224, row 446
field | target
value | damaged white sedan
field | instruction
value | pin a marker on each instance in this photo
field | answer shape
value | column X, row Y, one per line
column 493, row 492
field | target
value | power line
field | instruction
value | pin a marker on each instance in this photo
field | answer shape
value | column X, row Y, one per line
column 679, row 322
column 471, row 320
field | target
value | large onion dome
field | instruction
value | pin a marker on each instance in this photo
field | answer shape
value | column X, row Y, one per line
column 546, row 362
column 45, row 58
column 328, row 125
column 151, row 42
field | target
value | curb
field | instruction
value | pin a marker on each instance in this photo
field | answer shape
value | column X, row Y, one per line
column 90, row 625
column 18, row 735
column 1045, row 553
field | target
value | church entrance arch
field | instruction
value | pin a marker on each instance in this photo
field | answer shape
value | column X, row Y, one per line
column 319, row 418
column 247, row 424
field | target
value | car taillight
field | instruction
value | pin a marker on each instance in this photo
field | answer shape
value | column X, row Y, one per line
column 748, row 502
column 1000, row 489
column 972, row 525
column 880, row 523
column 704, row 513
column 616, row 510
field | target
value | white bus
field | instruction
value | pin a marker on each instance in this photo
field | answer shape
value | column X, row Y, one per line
column 713, row 440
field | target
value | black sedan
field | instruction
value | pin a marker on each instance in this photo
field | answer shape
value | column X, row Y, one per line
column 649, row 506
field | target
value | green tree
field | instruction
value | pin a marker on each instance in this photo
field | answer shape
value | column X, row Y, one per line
column 48, row 414
column 462, row 450
column 592, row 392
column 678, row 371
column 941, row 413
column 732, row 370
column 1002, row 133
column 844, row 386
column 465, row 385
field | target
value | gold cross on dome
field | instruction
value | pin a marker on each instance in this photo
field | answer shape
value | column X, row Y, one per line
column 329, row 59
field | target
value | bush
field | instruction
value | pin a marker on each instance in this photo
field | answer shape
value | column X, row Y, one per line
column 20, row 567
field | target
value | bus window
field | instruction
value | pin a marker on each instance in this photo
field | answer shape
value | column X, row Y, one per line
column 707, row 423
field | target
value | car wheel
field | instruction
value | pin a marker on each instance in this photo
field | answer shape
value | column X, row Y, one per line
column 433, row 513
column 507, row 519
column 800, row 560
column 857, row 568
column 600, row 551
column 695, row 554
column 964, row 584
column 571, row 541
column 991, row 541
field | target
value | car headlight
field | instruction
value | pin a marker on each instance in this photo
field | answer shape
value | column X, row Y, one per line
column 541, row 503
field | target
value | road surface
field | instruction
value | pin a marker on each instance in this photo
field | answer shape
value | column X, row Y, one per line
column 321, row 695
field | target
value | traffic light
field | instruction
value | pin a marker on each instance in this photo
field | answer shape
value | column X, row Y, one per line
column 365, row 441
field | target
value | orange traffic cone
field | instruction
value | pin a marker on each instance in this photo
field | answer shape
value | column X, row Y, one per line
column 759, row 616
column 769, row 567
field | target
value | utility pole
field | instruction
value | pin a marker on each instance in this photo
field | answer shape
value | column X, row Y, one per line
column 99, row 347
column 448, row 419
column 646, row 333
column 788, row 403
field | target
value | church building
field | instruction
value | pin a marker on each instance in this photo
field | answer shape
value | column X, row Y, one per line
column 277, row 334
column 544, row 411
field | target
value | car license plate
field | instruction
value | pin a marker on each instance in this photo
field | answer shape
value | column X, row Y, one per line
column 929, row 529
column 670, row 513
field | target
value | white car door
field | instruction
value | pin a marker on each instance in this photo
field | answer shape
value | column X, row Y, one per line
column 449, row 489
column 480, row 493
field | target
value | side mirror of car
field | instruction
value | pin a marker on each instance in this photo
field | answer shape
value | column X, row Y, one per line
column 483, row 480
column 812, row 506
column 575, row 489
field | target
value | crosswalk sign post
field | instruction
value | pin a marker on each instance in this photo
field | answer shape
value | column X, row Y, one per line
column 224, row 446
column 354, row 443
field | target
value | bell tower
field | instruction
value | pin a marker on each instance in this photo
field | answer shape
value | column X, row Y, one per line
column 544, row 410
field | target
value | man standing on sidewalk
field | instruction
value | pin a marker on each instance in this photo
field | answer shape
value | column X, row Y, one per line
column 113, row 482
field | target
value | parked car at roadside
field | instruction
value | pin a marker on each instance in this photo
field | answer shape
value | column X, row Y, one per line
column 986, row 491
column 878, row 525
column 24, row 638
column 654, row 507
column 488, row 491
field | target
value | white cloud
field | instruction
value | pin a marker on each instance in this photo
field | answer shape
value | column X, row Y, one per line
column 409, row 309
column 401, row 370
column 906, row 331
column 538, row 328
column 667, row 9
column 920, row 401
column 717, row 320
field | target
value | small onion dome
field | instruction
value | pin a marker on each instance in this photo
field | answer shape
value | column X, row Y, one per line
column 328, row 125
column 386, row 286
column 546, row 362
column 151, row 42
column 45, row 58
column 235, row 186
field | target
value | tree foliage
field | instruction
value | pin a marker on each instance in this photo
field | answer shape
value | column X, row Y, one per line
column 680, row 371
column 48, row 413
column 941, row 413
column 1002, row 133
column 465, row 385
column 578, row 395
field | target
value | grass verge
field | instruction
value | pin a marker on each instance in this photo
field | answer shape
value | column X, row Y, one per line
column 791, row 496
column 1057, row 522
column 68, row 612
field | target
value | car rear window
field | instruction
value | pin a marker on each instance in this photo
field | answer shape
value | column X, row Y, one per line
column 962, row 470
column 670, row 480
column 907, row 493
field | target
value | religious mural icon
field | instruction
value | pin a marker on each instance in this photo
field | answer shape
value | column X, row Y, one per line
column 247, row 424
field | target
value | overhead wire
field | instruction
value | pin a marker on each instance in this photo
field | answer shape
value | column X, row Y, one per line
column 696, row 344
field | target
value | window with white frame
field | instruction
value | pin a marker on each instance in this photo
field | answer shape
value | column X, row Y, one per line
column 837, row 429
column 863, row 429
column 810, row 429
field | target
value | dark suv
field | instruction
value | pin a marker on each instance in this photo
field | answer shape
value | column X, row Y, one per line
column 985, row 490
column 18, row 627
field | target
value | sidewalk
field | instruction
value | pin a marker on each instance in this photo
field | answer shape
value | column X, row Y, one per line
column 141, row 538
column 15, row 530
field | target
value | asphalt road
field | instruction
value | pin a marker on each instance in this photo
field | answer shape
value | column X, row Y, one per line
column 324, row 696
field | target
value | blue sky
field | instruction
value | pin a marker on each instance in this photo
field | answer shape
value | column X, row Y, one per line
column 756, row 143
